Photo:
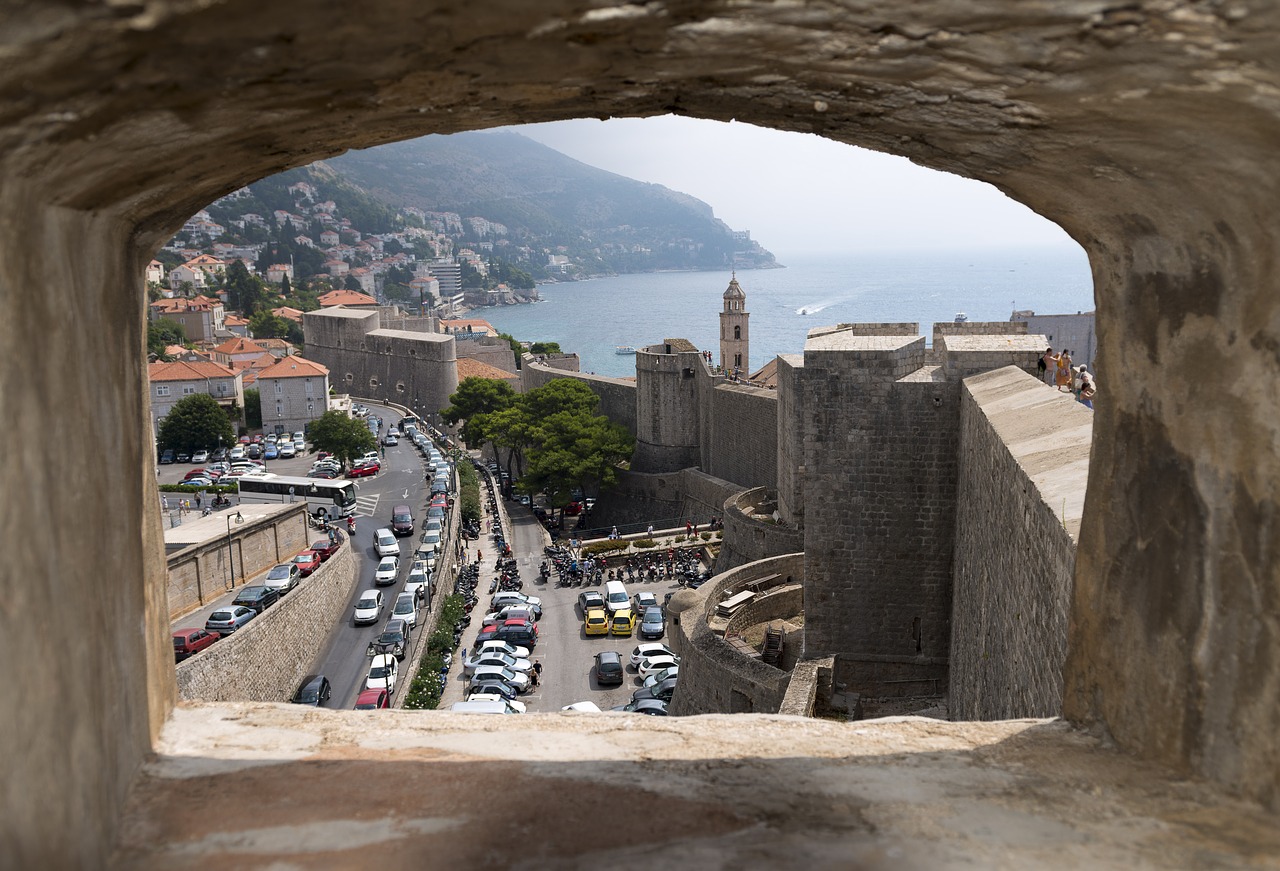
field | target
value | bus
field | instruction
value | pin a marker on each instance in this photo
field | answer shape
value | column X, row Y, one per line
column 325, row 498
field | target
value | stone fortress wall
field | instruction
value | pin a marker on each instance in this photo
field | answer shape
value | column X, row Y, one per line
column 267, row 658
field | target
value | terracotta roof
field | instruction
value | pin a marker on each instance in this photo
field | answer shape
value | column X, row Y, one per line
column 766, row 375
column 291, row 314
column 239, row 345
column 264, row 360
column 469, row 368
column 293, row 366
column 346, row 297
column 181, row 371
column 235, row 321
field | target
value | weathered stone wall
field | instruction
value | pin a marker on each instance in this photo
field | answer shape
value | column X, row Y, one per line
column 739, row 433
column 963, row 355
column 668, row 411
column 791, row 440
column 414, row 369
column 201, row 573
column 689, row 494
column 266, row 659
column 808, row 679
column 714, row 677
column 617, row 397
column 495, row 352
column 880, row 499
column 747, row 539
column 1024, row 460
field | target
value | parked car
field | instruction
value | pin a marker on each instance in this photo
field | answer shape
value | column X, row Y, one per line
column 661, row 691
column 644, row 600
column 259, row 597
column 166, row 457
column 596, row 622
column 512, row 612
column 488, row 703
column 270, row 452
column 219, row 455
column 654, row 664
column 492, row 687
column 419, row 582
column 406, row 609
column 368, row 608
column 373, row 700
column 307, row 562
column 382, row 673
column 651, row 649
column 518, row 679
column 503, row 647
column 384, row 542
column 514, row 597
column 325, row 474
column 327, row 547
column 363, row 470
column 286, row 450
column 189, row 642
column 609, row 671
column 652, row 624
column 658, row 677
column 493, row 657
column 387, row 570
column 183, row 456
column 589, row 600
column 623, row 623
column 225, row 621
column 314, row 690
column 652, row 707
column 201, row 456
column 283, row 578
column 254, row 452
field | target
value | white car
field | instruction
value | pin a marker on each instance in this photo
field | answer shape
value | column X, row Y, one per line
column 654, row 664
column 644, row 600
column 200, row 457
column 286, row 450
column 430, row 539
column 513, row 597
column 237, row 453
column 387, row 571
column 369, row 457
column 419, row 582
column 386, row 543
column 497, row 646
column 382, row 673
column 658, row 677
column 512, row 705
column 582, row 706
column 492, row 657
column 427, row 556
column 517, row 679
column 406, row 609
column 650, row 649
column 368, row 607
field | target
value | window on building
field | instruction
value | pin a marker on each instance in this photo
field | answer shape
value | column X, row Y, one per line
column 737, row 332
column 187, row 390
column 162, row 390
column 737, row 361
column 279, row 389
column 310, row 389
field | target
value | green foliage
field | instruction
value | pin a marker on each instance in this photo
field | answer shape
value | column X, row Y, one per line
column 163, row 333
column 245, row 293
column 599, row 547
column 545, row 348
column 265, row 325
column 440, row 641
column 644, row 543
column 705, row 536
column 426, row 688
column 344, row 437
column 475, row 398
column 469, row 500
column 195, row 422
column 253, row 409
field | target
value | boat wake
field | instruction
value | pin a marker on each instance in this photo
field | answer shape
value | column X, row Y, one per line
column 814, row 307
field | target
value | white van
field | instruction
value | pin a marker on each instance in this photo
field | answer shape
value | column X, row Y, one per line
column 384, row 540
column 615, row 596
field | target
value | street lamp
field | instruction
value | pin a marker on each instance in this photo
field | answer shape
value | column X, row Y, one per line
column 238, row 518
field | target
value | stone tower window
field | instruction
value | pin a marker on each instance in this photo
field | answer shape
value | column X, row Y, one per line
column 737, row 332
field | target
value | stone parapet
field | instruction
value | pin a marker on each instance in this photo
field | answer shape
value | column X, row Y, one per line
column 748, row 538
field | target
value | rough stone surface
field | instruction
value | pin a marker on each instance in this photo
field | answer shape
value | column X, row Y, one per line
column 1024, row 455
column 400, row 790
column 748, row 538
column 1147, row 131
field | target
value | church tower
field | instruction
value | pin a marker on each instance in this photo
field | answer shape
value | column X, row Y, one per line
column 733, row 331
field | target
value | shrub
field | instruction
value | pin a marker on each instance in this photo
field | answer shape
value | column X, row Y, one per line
column 440, row 641
column 719, row 535
column 427, row 687
column 705, row 536
column 469, row 501
column 644, row 543
column 600, row 547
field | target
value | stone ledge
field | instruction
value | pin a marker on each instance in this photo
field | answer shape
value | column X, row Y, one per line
column 405, row 790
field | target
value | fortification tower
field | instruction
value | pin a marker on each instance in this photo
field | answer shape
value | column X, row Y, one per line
column 733, row 329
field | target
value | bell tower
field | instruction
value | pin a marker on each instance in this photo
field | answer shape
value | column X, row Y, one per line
column 734, row 342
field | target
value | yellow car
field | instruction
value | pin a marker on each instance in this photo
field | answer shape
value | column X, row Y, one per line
column 623, row 622
column 596, row 622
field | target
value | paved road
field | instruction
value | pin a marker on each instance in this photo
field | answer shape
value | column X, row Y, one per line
column 565, row 652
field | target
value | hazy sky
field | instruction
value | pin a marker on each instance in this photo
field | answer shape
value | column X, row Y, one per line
column 800, row 193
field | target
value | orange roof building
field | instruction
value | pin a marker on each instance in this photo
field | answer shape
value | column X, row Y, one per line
column 348, row 299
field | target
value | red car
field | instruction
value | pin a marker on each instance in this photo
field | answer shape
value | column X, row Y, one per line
column 328, row 547
column 439, row 502
column 372, row 700
column 189, row 642
column 364, row 470
column 307, row 562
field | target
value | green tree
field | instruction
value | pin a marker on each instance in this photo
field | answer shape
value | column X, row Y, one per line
column 265, row 325
column 163, row 333
column 195, row 422
column 475, row 398
column 252, row 409
column 286, row 286
column 245, row 293
column 545, row 348
column 344, row 437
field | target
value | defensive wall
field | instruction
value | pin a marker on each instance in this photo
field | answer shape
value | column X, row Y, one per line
column 1078, row 333
column 690, row 494
column 617, row 395
column 414, row 369
column 714, row 675
column 1024, row 458
column 214, row 556
column 751, row 533
column 264, row 660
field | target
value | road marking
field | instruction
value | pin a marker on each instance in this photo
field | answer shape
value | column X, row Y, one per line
column 367, row 506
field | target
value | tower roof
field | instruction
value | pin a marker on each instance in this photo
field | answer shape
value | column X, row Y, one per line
column 734, row 290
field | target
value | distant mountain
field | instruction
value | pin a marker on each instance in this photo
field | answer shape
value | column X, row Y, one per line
column 549, row 202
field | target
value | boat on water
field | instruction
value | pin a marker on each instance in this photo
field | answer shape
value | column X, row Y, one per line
column 624, row 349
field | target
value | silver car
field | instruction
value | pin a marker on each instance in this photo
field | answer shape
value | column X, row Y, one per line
column 224, row 621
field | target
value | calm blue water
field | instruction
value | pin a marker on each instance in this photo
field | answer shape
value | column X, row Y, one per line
column 594, row 317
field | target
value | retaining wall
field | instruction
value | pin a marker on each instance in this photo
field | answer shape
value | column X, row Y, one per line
column 266, row 659
column 201, row 573
column 715, row 677
column 1024, row 461
column 747, row 539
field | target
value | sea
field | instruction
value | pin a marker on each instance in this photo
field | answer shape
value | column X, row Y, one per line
column 594, row 317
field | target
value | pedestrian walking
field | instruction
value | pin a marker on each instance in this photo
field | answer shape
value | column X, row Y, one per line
column 537, row 667
column 165, row 500
column 1063, row 377
column 1048, row 366
column 688, row 527
column 613, row 534
column 649, row 532
column 198, row 500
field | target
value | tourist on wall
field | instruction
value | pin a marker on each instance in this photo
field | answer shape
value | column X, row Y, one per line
column 1048, row 366
column 1088, row 390
column 1064, row 370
